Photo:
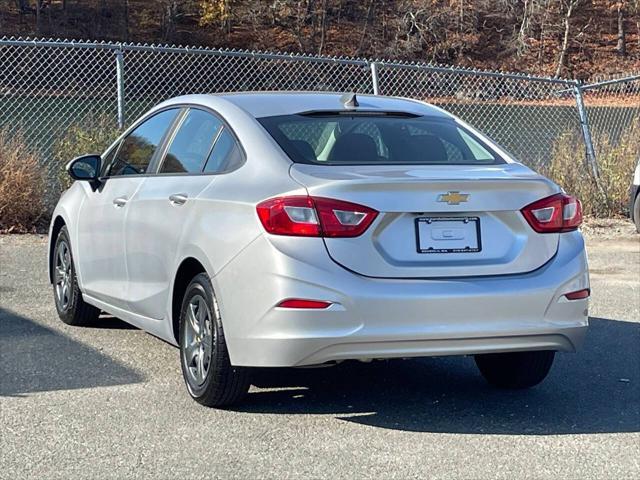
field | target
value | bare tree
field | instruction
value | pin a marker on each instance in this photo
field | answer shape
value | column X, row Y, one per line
column 367, row 20
column 126, row 20
column 38, row 16
column 323, row 26
column 544, row 15
column 521, row 44
column 569, row 7
column 299, row 24
column 621, row 47
column 168, row 17
column 636, row 10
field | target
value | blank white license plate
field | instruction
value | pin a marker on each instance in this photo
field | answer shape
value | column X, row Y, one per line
column 448, row 234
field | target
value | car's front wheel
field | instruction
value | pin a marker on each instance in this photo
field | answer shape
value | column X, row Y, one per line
column 515, row 369
column 71, row 307
column 211, row 379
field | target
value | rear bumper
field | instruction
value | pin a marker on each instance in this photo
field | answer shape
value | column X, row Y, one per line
column 383, row 318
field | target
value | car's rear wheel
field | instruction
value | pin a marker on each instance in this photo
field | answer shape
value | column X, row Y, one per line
column 71, row 307
column 515, row 369
column 210, row 378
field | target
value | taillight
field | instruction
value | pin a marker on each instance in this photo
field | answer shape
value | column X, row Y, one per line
column 289, row 216
column 554, row 214
column 306, row 216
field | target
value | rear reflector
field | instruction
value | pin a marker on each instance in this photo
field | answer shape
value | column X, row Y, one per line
column 578, row 295
column 554, row 214
column 305, row 216
column 302, row 303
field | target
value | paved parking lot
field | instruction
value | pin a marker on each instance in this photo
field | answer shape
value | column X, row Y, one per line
column 109, row 401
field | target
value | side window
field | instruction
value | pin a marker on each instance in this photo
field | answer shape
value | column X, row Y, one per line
column 226, row 154
column 137, row 148
column 191, row 145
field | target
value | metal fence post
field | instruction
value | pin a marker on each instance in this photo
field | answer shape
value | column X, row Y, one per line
column 120, row 86
column 586, row 131
column 374, row 78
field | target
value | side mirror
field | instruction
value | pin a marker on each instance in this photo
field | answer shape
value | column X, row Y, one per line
column 86, row 167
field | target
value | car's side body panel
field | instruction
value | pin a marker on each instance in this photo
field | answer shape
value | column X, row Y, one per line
column 156, row 228
column 101, row 244
column 216, row 222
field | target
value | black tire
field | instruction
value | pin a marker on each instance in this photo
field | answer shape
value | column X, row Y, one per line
column 636, row 213
column 515, row 370
column 221, row 384
column 71, row 307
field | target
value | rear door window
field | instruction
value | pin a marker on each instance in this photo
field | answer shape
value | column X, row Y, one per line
column 226, row 154
column 192, row 143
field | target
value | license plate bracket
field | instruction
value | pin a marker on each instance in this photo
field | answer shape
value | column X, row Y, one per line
column 448, row 235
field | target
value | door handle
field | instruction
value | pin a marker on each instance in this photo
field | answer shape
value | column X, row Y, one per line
column 120, row 201
column 178, row 198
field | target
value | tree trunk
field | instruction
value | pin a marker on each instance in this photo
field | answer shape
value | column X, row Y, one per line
column 621, row 47
column 543, row 21
column 300, row 21
column 126, row 20
column 38, row 16
column 227, row 10
column 323, row 27
column 565, row 39
column 524, row 27
column 366, row 24
column 64, row 14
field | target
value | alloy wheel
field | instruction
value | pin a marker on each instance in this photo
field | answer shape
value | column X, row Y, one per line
column 63, row 276
column 198, row 339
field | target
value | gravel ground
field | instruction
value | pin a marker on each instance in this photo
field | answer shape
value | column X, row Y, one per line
column 109, row 401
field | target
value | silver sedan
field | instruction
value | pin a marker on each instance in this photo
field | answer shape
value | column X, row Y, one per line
column 297, row 229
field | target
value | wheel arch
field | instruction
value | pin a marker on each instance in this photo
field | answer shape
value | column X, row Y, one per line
column 635, row 193
column 56, row 226
column 189, row 268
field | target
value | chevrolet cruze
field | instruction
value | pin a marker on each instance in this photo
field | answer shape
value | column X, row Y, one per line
column 297, row 229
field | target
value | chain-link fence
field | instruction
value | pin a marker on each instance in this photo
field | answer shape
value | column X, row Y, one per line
column 613, row 108
column 523, row 114
column 48, row 88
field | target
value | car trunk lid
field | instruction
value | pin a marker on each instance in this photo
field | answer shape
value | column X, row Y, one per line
column 436, row 220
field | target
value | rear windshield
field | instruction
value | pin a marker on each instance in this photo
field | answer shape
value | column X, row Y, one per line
column 357, row 139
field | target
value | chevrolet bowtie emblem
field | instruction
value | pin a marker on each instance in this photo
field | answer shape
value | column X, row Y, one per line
column 453, row 198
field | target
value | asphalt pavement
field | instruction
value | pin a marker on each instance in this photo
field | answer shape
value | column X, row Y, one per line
column 109, row 401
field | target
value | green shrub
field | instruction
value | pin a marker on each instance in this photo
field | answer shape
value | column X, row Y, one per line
column 609, row 195
column 91, row 135
column 22, row 185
